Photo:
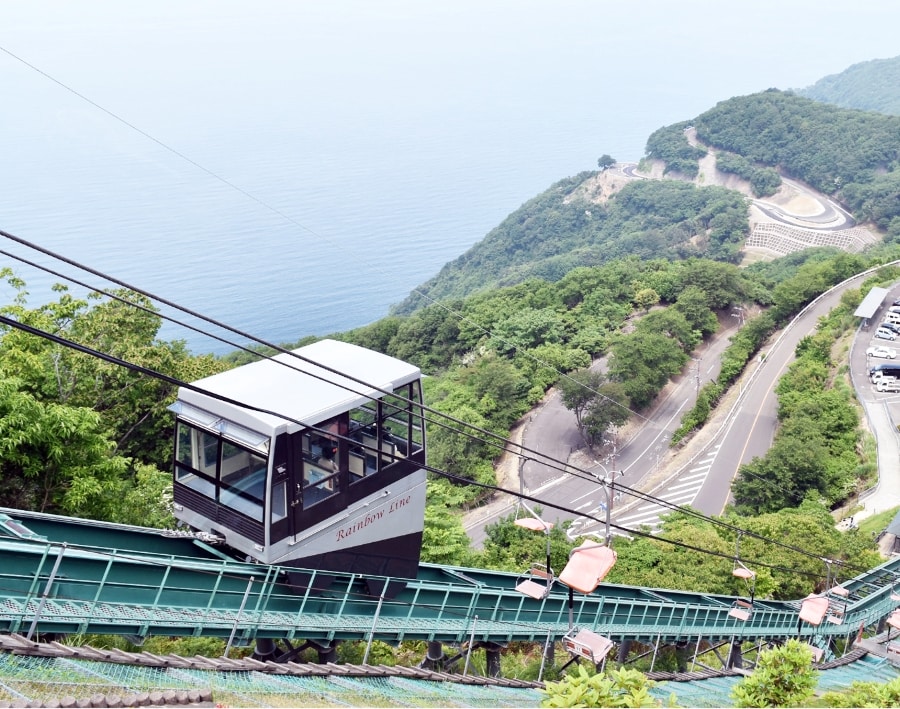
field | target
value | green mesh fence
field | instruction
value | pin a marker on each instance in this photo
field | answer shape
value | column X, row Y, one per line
column 27, row 679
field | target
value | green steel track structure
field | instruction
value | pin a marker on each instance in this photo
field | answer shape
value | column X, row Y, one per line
column 66, row 575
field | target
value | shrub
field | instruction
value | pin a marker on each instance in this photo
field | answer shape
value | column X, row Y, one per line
column 615, row 688
column 783, row 677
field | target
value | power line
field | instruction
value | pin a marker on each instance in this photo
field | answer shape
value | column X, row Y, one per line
column 495, row 440
column 173, row 380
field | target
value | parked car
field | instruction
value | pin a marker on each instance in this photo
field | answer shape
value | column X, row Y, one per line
column 888, row 384
column 894, row 308
column 881, row 351
column 885, row 334
column 893, row 318
column 884, row 374
column 884, row 369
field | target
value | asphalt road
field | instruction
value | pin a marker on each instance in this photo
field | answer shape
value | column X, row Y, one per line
column 699, row 476
column 551, row 429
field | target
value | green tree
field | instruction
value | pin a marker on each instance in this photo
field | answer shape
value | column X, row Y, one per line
column 692, row 303
column 55, row 458
column 643, row 363
column 512, row 548
column 671, row 323
column 146, row 499
column 132, row 405
column 865, row 694
column 605, row 161
column 645, row 298
column 654, row 563
column 444, row 541
column 783, row 677
column 610, row 408
column 578, row 391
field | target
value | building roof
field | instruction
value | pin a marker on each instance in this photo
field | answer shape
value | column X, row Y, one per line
column 894, row 526
column 870, row 304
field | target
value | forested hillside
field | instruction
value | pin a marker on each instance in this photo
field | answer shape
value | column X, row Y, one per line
column 559, row 229
column 869, row 86
column 850, row 155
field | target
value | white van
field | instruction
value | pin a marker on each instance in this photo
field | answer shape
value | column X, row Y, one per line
column 888, row 384
column 892, row 318
column 885, row 334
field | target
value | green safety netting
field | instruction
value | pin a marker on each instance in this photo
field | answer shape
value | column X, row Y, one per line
column 25, row 679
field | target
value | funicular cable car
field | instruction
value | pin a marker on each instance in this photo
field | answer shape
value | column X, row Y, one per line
column 314, row 469
column 740, row 609
column 536, row 581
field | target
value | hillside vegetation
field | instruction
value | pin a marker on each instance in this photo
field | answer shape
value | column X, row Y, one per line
column 850, row 155
column 869, row 86
column 559, row 230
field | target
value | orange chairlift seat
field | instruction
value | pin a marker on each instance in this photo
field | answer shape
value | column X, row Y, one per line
column 816, row 607
column 740, row 609
column 588, row 565
column 817, row 652
column 894, row 619
column 837, row 608
column 536, row 581
column 813, row 609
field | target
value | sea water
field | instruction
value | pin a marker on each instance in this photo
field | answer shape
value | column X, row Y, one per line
column 293, row 169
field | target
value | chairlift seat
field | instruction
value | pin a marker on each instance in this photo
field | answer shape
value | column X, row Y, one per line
column 742, row 572
column 893, row 651
column 817, row 653
column 535, row 525
column 840, row 591
column 587, row 644
column 813, row 609
column 536, row 582
column 742, row 610
column 894, row 619
column 836, row 613
column 588, row 565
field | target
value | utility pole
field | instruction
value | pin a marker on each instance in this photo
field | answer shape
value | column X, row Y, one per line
column 697, row 378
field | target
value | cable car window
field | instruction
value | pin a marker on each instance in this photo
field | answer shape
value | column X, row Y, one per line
column 196, row 453
column 318, row 484
column 362, row 457
column 279, row 502
column 242, row 477
column 320, row 466
column 417, row 430
column 399, row 416
column 195, row 482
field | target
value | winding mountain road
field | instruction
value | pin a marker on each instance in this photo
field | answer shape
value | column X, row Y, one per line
column 701, row 473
